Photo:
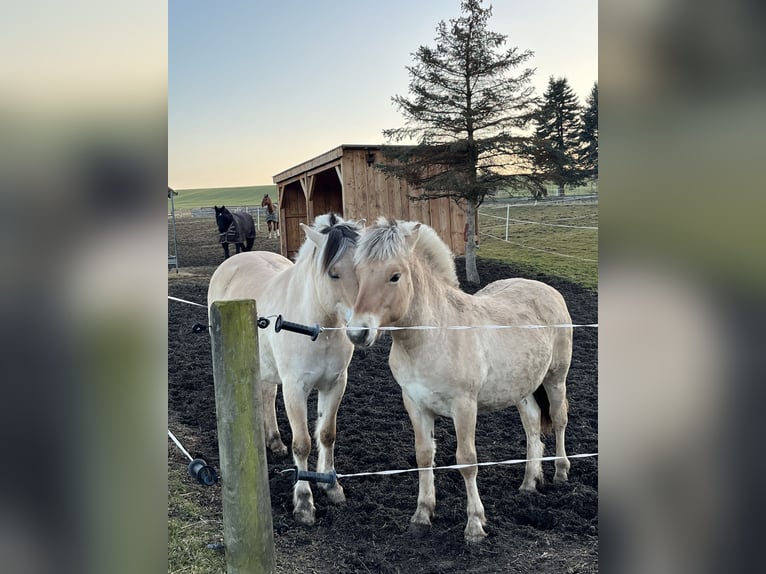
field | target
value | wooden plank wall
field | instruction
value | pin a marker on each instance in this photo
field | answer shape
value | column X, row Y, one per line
column 368, row 193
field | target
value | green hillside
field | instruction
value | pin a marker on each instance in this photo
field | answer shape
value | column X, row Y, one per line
column 208, row 197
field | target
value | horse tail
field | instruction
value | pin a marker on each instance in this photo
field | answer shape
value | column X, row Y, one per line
column 546, row 423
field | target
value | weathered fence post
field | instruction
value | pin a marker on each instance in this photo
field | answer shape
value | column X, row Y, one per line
column 247, row 525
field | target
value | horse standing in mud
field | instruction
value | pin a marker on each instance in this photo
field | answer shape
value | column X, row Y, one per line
column 237, row 228
column 319, row 288
column 407, row 278
column 272, row 217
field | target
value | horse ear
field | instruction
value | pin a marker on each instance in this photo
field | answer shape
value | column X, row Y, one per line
column 412, row 238
column 319, row 239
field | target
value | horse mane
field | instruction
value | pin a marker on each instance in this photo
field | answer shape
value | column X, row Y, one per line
column 387, row 238
column 341, row 236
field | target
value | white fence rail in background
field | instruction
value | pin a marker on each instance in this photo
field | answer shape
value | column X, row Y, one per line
column 258, row 212
column 496, row 221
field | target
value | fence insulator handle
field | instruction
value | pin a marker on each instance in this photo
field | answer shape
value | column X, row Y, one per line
column 311, row 331
column 325, row 477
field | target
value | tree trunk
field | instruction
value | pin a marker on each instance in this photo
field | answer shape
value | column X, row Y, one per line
column 561, row 189
column 471, row 273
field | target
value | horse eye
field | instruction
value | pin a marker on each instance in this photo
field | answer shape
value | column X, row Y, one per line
column 395, row 277
column 333, row 275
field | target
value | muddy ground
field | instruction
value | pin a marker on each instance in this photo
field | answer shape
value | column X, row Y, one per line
column 555, row 531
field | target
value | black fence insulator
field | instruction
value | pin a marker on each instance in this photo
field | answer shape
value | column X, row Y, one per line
column 311, row 331
column 202, row 472
column 325, row 477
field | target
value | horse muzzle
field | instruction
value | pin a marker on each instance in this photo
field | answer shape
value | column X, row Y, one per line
column 362, row 334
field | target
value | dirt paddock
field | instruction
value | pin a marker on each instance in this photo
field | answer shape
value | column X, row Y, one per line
column 555, row 531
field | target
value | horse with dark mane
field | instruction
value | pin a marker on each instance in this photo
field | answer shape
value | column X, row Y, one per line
column 319, row 288
column 272, row 217
column 237, row 227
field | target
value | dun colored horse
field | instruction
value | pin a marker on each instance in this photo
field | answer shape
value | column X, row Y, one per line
column 319, row 288
column 407, row 278
column 272, row 217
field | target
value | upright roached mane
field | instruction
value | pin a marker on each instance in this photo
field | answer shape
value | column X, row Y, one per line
column 407, row 278
column 387, row 239
column 318, row 289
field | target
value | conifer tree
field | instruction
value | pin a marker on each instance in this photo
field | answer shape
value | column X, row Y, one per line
column 588, row 137
column 558, row 129
column 469, row 108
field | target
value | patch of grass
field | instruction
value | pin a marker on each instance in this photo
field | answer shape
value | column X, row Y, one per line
column 538, row 240
column 191, row 527
column 236, row 196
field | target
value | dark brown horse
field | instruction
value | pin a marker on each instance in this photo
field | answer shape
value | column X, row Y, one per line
column 272, row 217
column 237, row 227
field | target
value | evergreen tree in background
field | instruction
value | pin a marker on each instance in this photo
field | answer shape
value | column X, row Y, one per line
column 588, row 137
column 468, row 115
column 558, row 129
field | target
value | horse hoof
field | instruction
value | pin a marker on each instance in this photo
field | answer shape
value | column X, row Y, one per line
column 304, row 516
column 559, row 478
column 336, row 494
column 474, row 530
column 417, row 530
column 475, row 538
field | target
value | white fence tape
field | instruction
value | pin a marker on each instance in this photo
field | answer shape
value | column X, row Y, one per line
column 459, row 466
column 434, row 327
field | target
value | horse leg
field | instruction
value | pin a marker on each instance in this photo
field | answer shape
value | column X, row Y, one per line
column 464, row 419
column 270, row 427
column 295, row 403
column 268, row 224
column 425, row 449
column 225, row 250
column 328, row 402
column 555, row 388
column 529, row 412
column 276, row 226
column 240, row 247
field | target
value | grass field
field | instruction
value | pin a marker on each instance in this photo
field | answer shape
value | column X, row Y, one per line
column 208, row 197
column 543, row 246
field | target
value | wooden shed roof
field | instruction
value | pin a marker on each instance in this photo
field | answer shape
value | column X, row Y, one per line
column 319, row 161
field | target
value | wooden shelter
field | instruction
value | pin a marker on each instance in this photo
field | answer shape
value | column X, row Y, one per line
column 345, row 180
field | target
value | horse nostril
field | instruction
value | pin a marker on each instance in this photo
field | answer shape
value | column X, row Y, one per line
column 358, row 335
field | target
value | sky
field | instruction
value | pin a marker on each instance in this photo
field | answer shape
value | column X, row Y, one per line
column 256, row 87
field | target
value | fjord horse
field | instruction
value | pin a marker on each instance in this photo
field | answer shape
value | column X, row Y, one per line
column 319, row 288
column 407, row 278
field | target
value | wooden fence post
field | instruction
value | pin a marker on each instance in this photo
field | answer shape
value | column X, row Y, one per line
column 247, row 525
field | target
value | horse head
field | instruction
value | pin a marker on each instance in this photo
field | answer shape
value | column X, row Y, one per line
column 223, row 218
column 330, row 245
column 266, row 200
column 381, row 264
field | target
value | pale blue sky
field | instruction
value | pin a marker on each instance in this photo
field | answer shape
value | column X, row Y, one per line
column 255, row 87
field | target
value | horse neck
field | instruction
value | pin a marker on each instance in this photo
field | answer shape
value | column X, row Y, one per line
column 433, row 300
